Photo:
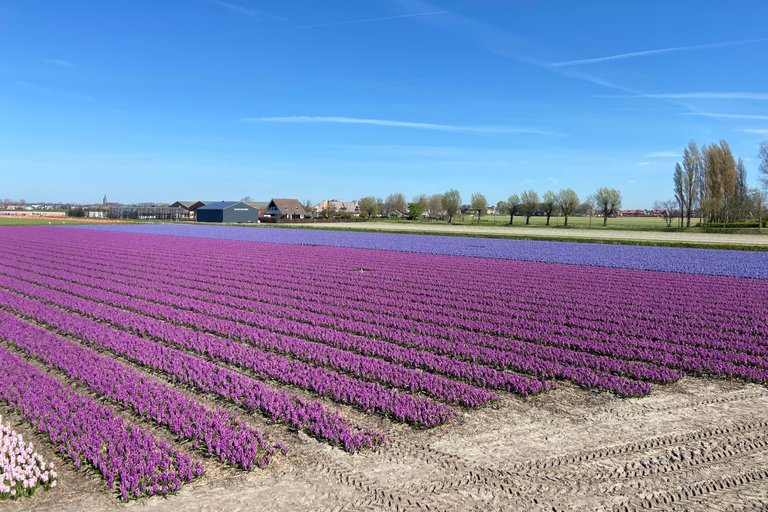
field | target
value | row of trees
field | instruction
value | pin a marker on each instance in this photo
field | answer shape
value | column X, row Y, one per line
column 605, row 201
column 713, row 181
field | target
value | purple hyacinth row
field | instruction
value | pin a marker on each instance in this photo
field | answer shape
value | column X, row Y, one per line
column 369, row 396
column 576, row 369
column 217, row 432
column 605, row 328
column 129, row 458
column 279, row 406
column 308, row 351
column 639, row 349
column 547, row 362
column 341, row 286
column 266, row 333
column 728, row 326
column 665, row 259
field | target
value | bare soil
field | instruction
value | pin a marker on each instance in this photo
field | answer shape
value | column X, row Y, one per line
column 699, row 444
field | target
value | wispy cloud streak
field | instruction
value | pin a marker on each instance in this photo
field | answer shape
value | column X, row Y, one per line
column 726, row 116
column 367, row 20
column 402, row 124
column 751, row 130
column 648, row 53
column 251, row 13
column 695, row 95
column 59, row 62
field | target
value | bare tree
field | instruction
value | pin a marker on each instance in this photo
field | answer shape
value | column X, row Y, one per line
column 742, row 190
column 667, row 210
column 422, row 200
column 435, row 205
column 608, row 201
column 719, row 180
column 529, row 204
column 762, row 154
column 679, row 188
column 567, row 202
column 451, row 203
column 479, row 203
column 548, row 204
column 759, row 198
column 692, row 177
column 512, row 207
column 308, row 206
column 396, row 204
column 247, row 199
column 368, row 206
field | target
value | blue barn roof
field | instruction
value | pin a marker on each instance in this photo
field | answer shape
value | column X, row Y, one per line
column 220, row 205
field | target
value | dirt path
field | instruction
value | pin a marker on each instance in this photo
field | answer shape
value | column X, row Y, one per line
column 698, row 444
column 576, row 233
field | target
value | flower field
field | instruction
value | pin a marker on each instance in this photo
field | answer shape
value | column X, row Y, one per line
column 96, row 321
column 711, row 262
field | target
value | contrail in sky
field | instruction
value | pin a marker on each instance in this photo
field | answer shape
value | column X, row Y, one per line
column 651, row 52
column 401, row 124
column 363, row 21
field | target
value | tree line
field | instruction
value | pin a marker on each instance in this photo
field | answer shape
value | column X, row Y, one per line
column 605, row 201
column 713, row 181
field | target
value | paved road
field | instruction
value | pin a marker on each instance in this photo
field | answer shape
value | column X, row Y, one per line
column 650, row 236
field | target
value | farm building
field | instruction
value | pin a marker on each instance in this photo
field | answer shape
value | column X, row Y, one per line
column 227, row 211
column 286, row 209
column 262, row 206
column 190, row 206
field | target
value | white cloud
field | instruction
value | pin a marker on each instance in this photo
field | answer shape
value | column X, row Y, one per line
column 757, row 131
column 694, row 95
column 671, row 154
column 726, row 116
column 642, row 163
column 647, row 53
column 401, row 124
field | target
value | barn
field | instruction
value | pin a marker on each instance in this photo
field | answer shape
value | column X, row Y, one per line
column 227, row 211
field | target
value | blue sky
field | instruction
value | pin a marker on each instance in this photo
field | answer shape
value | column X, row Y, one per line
column 207, row 99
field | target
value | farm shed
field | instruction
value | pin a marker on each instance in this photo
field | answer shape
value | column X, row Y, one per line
column 227, row 211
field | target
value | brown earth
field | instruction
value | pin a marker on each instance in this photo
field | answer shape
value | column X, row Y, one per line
column 699, row 444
